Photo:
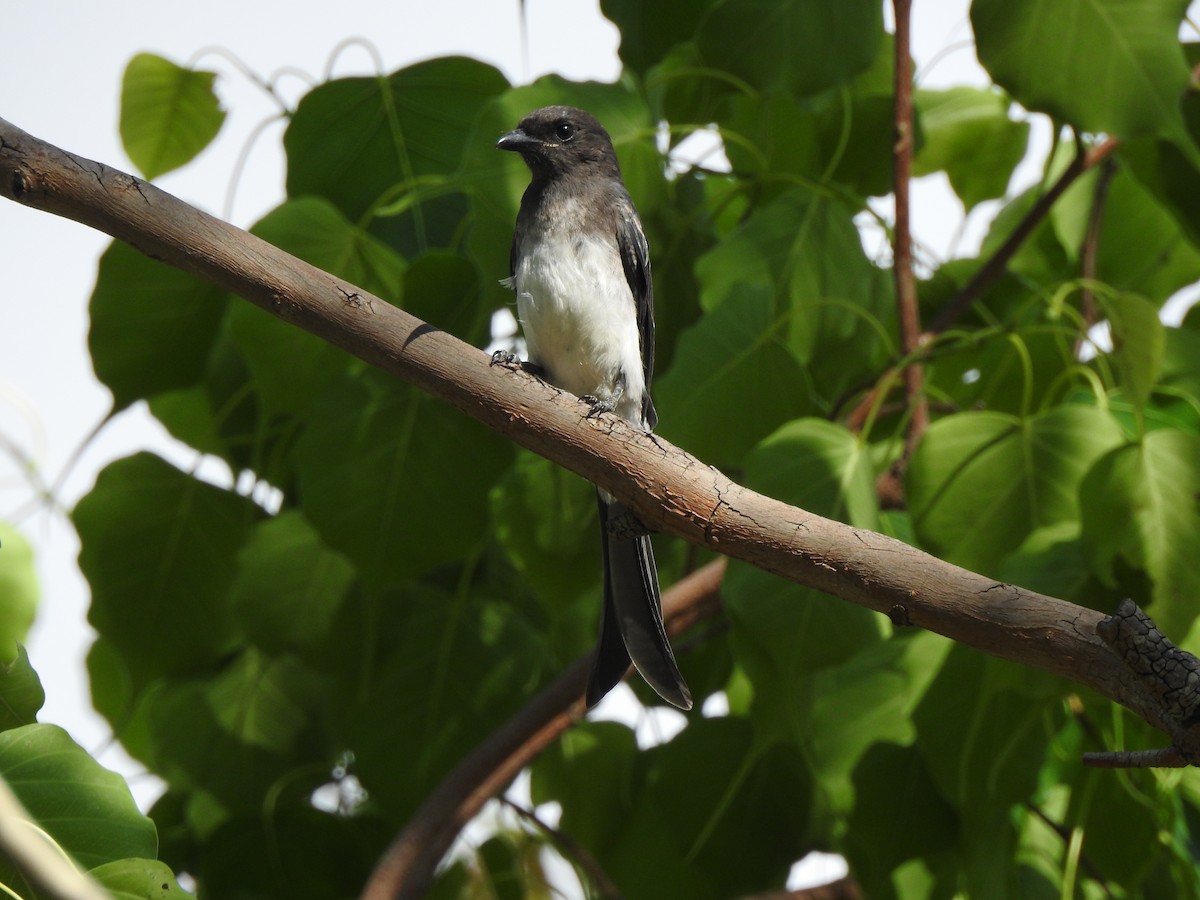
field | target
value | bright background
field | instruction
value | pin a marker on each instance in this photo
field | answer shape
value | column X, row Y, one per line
column 60, row 76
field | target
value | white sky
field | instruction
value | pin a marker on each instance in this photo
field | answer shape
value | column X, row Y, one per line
column 60, row 76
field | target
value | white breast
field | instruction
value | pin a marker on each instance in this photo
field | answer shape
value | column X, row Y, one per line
column 580, row 318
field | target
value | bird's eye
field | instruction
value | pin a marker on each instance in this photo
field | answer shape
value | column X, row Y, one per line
column 565, row 131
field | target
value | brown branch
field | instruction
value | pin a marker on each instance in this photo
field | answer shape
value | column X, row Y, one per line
column 1158, row 758
column 407, row 868
column 666, row 488
column 990, row 271
column 902, row 256
column 1089, row 252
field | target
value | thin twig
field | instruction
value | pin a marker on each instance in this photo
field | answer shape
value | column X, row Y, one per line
column 1064, row 834
column 571, row 849
column 1159, row 758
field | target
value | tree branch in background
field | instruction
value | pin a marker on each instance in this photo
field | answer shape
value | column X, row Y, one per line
column 990, row 271
column 1089, row 252
column 902, row 257
column 668, row 489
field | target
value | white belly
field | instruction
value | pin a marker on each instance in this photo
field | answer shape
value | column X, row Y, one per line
column 580, row 319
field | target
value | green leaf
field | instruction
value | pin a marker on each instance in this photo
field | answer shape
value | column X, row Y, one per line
column 21, row 694
column 152, row 325
column 802, row 46
column 297, row 852
column 1167, row 172
column 803, row 247
column 882, row 683
column 264, row 701
column 691, row 799
column 289, row 586
column 365, row 143
column 233, row 739
column 395, row 480
column 168, row 113
column 720, row 366
column 18, row 591
column 782, row 633
column 451, row 667
column 980, row 481
column 1111, row 66
column 1051, row 561
column 1140, row 507
column 1138, row 343
column 444, row 289
column 1042, row 258
column 139, row 879
column 1115, row 819
column 1002, row 375
column 993, row 756
column 819, row 466
column 159, row 549
column 592, row 810
column 86, row 809
column 650, row 30
column 970, row 137
column 891, row 782
column 545, row 518
column 1142, row 247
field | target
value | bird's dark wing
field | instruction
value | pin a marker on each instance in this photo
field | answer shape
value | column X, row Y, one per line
column 635, row 259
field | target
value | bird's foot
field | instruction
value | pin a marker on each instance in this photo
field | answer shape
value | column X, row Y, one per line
column 510, row 360
column 597, row 407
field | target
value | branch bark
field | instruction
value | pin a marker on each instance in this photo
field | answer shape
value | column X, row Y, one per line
column 667, row 488
column 902, row 258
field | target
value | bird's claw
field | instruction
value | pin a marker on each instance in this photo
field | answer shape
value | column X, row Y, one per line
column 596, row 406
column 510, row 360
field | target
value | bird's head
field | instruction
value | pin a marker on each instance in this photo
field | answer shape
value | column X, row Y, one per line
column 559, row 139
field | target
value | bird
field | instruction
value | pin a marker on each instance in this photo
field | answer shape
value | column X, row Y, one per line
column 580, row 268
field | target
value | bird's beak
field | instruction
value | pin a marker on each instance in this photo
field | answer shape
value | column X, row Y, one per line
column 516, row 140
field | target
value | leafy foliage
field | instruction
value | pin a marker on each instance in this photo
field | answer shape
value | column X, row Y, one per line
column 169, row 113
column 388, row 582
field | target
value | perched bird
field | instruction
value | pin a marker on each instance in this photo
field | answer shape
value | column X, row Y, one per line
column 580, row 268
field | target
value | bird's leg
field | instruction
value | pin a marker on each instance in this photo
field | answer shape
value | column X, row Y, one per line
column 608, row 404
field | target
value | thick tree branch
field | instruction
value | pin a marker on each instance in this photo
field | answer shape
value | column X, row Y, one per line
column 667, row 488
